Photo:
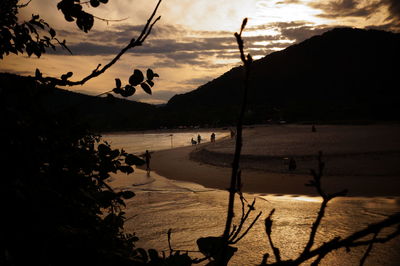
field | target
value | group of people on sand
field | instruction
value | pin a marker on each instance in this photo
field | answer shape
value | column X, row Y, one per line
column 194, row 142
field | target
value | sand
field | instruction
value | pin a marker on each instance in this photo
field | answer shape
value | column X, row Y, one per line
column 363, row 159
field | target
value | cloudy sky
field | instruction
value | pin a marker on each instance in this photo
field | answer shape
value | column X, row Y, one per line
column 193, row 42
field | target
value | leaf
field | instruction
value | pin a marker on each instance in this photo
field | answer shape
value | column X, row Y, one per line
column 105, row 197
column 146, row 87
column 117, row 90
column 127, row 194
column 211, row 246
column 38, row 74
column 151, row 83
column 84, row 21
column 143, row 254
column 103, row 149
column 66, row 76
column 131, row 159
column 136, row 78
column 156, row 75
column 126, row 169
column 150, row 74
column 129, row 90
column 153, row 254
column 52, row 33
column 68, row 18
column 118, row 83
column 94, row 3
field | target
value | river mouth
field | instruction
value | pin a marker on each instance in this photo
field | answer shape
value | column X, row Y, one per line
column 192, row 211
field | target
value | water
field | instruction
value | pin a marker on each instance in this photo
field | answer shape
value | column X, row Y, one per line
column 139, row 142
column 193, row 211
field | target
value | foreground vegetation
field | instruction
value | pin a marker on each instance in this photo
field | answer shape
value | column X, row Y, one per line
column 59, row 209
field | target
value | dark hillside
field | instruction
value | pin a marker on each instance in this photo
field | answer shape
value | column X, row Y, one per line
column 343, row 74
column 102, row 114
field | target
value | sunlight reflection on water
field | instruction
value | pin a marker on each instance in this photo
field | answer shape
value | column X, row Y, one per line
column 193, row 211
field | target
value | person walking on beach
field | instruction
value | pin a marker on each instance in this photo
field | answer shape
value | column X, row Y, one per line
column 232, row 133
column 313, row 129
column 212, row 137
column 147, row 158
column 292, row 164
column 198, row 139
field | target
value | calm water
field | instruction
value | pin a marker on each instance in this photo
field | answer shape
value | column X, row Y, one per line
column 193, row 211
column 139, row 142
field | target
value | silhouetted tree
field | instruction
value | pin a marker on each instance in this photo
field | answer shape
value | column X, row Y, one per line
column 59, row 209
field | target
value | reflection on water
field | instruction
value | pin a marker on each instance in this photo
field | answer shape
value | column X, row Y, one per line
column 193, row 211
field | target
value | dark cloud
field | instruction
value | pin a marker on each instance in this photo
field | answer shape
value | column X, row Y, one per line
column 285, row 2
column 346, row 8
column 89, row 48
column 394, row 9
column 198, row 81
column 196, row 48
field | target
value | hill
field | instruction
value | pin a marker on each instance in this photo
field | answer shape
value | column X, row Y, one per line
column 102, row 114
column 344, row 74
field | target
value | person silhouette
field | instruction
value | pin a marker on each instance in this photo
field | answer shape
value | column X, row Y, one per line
column 147, row 158
column 212, row 138
column 313, row 129
column 198, row 139
column 232, row 133
column 292, row 164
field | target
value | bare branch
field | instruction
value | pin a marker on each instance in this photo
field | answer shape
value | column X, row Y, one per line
column 248, row 229
column 97, row 72
column 353, row 240
column 238, row 147
column 363, row 259
column 316, row 182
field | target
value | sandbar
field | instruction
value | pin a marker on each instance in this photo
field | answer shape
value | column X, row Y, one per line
column 363, row 159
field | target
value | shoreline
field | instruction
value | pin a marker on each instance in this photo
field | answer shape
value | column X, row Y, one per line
column 176, row 164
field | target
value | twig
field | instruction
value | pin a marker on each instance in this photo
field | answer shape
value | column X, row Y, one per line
column 133, row 43
column 238, row 145
column 352, row 240
column 316, row 182
column 268, row 230
column 369, row 248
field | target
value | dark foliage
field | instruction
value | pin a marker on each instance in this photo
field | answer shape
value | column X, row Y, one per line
column 59, row 208
column 25, row 37
column 101, row 114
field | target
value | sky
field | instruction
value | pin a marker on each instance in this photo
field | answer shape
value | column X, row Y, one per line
column 193, row 43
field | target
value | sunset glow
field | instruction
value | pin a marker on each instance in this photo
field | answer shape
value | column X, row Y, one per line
column 193, row 42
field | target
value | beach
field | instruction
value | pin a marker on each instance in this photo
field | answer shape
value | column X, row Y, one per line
column 186, row 191
column 363, row 159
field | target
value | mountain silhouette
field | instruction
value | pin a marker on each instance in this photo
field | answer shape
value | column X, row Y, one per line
column 99, row 113
column 345, row 74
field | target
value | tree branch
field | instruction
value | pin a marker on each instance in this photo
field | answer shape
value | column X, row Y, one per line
column 97, row 72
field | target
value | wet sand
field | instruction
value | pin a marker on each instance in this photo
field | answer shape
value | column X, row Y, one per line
column 363, row 159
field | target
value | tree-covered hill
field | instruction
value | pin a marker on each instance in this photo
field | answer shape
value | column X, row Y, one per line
column 343, row 74
column 100, row 113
